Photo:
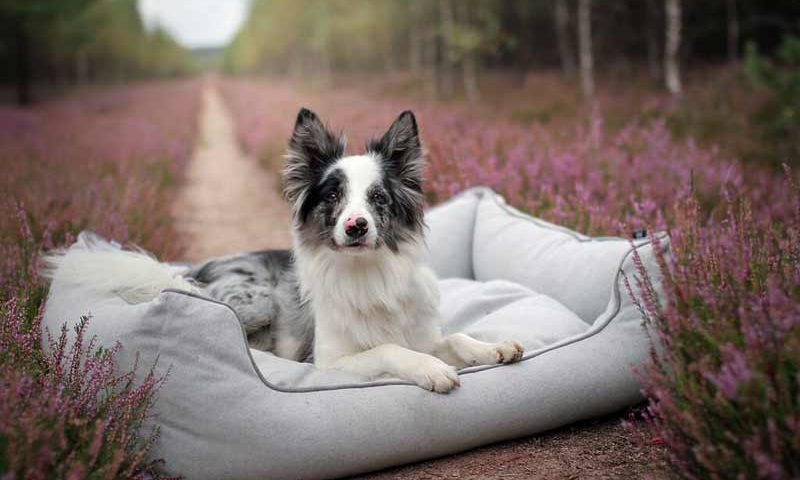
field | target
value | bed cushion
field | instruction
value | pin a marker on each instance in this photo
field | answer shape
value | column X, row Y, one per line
column 552, row 260
column 492, row 311
column 227, row 412
column 450, row 242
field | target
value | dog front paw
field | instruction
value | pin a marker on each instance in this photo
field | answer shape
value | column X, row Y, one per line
column 494, row 353
column 508, row 352
column 436, row 376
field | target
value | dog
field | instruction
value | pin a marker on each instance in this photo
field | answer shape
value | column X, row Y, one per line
column 353, row 293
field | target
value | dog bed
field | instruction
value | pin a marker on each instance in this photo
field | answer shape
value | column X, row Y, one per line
column 228, row 412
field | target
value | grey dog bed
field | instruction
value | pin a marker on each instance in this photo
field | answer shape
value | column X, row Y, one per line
column 228, row 412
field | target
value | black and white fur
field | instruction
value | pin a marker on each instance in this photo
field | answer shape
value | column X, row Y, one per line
column 353, row 293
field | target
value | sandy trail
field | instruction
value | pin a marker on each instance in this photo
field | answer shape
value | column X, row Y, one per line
column 229, row 203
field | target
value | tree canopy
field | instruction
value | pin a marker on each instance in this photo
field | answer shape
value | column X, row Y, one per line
column 72, row 41
column 319, row 36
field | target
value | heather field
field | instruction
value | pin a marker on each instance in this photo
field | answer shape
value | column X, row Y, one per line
column 723, row 399
column 579, row 172
column 163, row 125
column 100, row 158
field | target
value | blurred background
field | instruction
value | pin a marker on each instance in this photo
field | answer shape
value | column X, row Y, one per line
column 542, row 56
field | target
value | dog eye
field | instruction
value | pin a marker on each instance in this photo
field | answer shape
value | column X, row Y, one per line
column 379, row 198
column 332, row 197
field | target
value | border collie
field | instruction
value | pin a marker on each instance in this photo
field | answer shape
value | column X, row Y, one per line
column 353, row 293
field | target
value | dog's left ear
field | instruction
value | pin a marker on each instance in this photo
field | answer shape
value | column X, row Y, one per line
column 401, row 151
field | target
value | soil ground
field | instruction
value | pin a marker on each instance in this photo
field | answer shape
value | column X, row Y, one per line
column 595, row 449
column 231, row 204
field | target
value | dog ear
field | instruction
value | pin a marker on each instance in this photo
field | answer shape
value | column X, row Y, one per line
column 312, row 148
column 401, row 151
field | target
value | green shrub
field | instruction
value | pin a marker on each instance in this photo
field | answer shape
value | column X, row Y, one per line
column 780, row 116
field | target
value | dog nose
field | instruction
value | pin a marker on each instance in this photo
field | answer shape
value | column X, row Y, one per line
column 356, row 227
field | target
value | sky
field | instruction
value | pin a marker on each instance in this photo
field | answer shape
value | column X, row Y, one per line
column 196, row 23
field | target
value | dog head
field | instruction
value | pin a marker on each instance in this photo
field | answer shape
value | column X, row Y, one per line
column 359, row 203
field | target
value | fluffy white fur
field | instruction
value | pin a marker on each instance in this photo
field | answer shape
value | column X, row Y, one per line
column 376, row 314
column 361, row 171
column 134, row 275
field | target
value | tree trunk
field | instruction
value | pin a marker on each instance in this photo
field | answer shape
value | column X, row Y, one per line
column 672, row 47
column 562, row 37
column 296, row 65
column 585, row 48
column 469, row 56
column 469, row 70
column 324, row 65
column 81, row 66
column 447, row 17
column 430, row 56
column 733, row 32
column 324, row 68
column 23, row 73
column 415, row 37
column 652, row 26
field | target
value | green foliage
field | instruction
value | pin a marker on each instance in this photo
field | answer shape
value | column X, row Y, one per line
column 318, row 35
column 122, row 46
column 83, row 40
column 477, row 31
column 31, row 9
column 346, row 35
column 780, row 115
column 287, row 35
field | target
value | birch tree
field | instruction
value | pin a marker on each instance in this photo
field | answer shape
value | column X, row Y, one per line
column 733, row 32
column 672, row 73
column 447, row 19
column 562, row 38
column 585, row 47
column 653, row 27
column 469, row 38
column 415, row 37
column 430, row 52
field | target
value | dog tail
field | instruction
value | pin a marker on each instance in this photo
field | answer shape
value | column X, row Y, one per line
column 97, row 265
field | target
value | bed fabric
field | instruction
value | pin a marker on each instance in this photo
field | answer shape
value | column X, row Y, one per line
column 229, row 412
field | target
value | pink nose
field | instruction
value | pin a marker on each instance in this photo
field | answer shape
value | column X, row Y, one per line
column 356, row 225
column 353, row 220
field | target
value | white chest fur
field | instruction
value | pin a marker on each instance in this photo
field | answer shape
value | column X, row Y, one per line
column 360, row 302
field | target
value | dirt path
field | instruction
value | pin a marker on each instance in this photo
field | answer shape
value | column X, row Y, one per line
column 595, row 449
column 230, row 203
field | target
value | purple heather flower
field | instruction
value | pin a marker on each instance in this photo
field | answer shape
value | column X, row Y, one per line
column 733, row 372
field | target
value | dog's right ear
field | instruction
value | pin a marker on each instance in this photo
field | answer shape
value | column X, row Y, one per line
column 312, row 148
